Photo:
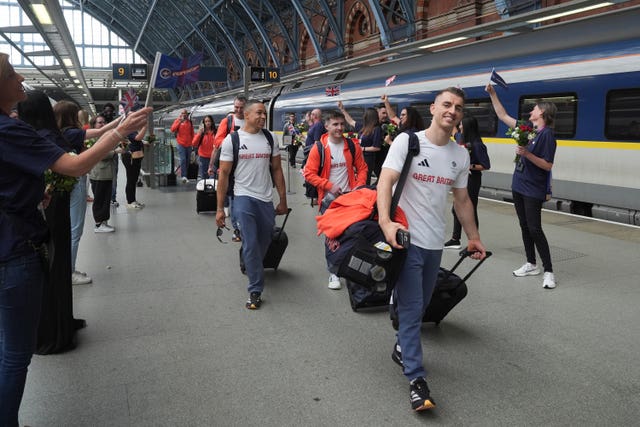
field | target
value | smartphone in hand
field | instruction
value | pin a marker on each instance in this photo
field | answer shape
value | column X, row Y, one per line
column 403, row 238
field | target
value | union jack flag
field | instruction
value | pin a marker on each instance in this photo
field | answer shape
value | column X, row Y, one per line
column 390, row 80
column 130, row 101
column 332, row 90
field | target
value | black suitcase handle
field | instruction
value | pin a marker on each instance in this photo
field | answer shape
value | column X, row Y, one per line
column 286, row 217
column 464, row 254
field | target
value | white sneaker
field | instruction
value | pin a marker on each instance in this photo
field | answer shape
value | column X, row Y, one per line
column 142, row 205
column 184, row 180
column 334, row 282
column 549, row 281
column 134, row 205
column 527, row 270
column 78, row 278
column 104, row 228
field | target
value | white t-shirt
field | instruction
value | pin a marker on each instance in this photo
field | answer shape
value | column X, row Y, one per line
column 338, row 173
column 432, row 174
column 237, row 123
column 252, row 175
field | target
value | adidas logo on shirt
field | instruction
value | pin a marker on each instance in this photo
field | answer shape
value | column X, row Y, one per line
column 424, row 163
column 243, row 147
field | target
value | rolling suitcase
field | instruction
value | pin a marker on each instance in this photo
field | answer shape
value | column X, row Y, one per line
column 275, row 251
column 368, row 296
column 449, row 291
column 206, row 196
column 192, row 171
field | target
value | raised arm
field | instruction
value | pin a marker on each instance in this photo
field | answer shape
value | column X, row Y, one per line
column 390, row 111
column 499, row 109
column 347, row 116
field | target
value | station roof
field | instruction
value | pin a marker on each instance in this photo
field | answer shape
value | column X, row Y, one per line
column 226, row 30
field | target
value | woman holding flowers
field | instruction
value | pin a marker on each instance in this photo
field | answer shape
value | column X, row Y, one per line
column 530, row 181
column 24, row 157
column 370, row 134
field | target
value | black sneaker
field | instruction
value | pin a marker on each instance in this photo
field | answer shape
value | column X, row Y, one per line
column 419, row 395
column 254, row 302
column 452, row 244
column 396, row 355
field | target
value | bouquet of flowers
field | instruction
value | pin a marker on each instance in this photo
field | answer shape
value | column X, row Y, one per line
column 523, row 134
column 57, row 182
column 299, row 128
column 390, row 129
column 89, row 142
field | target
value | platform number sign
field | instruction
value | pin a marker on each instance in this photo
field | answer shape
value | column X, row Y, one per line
column 261, row 74
column 272, row 75
column 121, row 72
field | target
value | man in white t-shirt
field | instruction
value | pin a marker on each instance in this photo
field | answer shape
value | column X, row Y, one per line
column 231, row 123
column 441, row 165
column 253, row 194
column 341, row 172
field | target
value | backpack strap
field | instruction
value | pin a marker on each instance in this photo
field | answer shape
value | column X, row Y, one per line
column 230, row 124
column 235, row 144
column 320, row 148
column 413, row 150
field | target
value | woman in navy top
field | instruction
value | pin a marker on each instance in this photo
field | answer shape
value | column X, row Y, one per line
column 24, row 156
column 370, row 135
column 479, row 161
column 529, row 184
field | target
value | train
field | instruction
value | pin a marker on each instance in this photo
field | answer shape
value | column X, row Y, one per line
column 590, row 68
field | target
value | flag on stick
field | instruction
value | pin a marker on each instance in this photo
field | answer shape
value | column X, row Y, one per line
column 390, row 80
column 177, row 72
column 332, row 90
column 130, row 101
column 495, row 77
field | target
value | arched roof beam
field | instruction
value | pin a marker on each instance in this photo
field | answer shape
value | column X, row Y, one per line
column 381, row 21
column 312, row 35
column 337, row 31
column 238, row 57
column 262, row 32
column 208, row 46
column 247, row 33
column 283, row 30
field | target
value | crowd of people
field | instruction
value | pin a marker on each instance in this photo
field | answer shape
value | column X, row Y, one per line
column 42, row 227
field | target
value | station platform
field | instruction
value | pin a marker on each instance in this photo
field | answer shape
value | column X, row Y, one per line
column 169, row 341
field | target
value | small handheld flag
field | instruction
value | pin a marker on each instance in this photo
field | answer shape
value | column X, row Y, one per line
column 130, row 101
column 495, row 77
column 390, row 80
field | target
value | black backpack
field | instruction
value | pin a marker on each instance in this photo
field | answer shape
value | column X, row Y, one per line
column 310, row 190
column 235, row 142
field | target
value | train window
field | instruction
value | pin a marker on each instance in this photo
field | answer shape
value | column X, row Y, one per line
column 483, row 111
column 622, row 116
column 423, row 110
column 567, row 105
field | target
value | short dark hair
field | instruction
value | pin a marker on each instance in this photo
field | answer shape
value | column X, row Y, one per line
column 454, row 90
column 549, row 111
column 250, row 102
column 241, row 98
column 334, row 114
column 37, row 111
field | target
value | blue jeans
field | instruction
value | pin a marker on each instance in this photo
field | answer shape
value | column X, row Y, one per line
column 185, row 154
column 257, row 219
column 204, row 167
column 413, row 292
column 21, row 282
column 78, row 209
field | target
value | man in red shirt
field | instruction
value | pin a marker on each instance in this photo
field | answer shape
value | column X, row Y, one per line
column 183, row 129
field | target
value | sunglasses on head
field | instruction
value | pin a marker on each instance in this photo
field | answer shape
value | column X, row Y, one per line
column 219, row 233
